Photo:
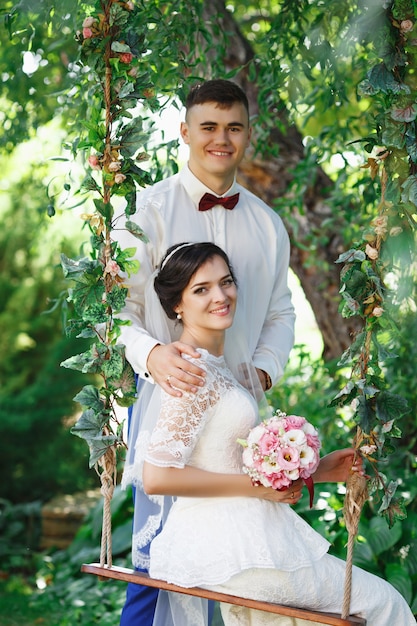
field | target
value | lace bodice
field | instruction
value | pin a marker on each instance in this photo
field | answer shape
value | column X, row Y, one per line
column 221, row 408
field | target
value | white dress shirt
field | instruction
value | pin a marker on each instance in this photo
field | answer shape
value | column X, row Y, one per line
column 254, row 238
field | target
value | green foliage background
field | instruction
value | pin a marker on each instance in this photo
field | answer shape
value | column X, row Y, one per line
column 308, row 60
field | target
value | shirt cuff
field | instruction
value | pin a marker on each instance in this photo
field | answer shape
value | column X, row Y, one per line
column 137, row 353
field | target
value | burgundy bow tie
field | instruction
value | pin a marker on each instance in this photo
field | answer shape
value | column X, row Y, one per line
column 208, row 201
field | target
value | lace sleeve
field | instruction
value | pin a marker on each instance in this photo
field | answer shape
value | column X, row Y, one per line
column 179, row 424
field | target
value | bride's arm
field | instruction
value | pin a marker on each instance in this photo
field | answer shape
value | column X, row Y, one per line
column 336, row 466
column 193, row 482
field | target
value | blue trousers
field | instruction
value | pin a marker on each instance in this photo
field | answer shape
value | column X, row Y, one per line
column 140, row 605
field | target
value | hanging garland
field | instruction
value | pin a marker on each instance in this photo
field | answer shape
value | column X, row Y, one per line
column 111, row 48
column 393, row 161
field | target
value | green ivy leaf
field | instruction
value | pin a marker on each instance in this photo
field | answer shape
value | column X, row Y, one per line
column 112, row 367
column 74, row 269
column 365, row 88
column 383, row 80
column 125, row 385
column 89, row 425
column 89, row 396
column 95, row 313
column 409, row 189
column 352, row 305
column 140, row 176
column 407, row 113
column 126, row 263
column 118, row 15
column 116, row 298
column 136, row 231
column 126, row 90
column 346, row 395
column 390, row 406
column 351, row 255
column 116, row 46
column 89, row 361
column 393, row 509
column 364, row 414
column 98, row 446
column 393, row 134
column 132, row 137
column 104, row 208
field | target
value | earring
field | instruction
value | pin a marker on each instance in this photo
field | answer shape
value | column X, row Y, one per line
column 179, row 316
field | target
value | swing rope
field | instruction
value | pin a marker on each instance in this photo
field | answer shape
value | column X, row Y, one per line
column 355, row 498
column 108, row 482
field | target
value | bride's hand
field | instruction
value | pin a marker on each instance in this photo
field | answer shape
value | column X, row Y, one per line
column 336, row 466
column 285, row 496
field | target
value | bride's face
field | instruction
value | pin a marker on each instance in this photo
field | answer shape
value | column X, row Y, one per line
column 209, row 300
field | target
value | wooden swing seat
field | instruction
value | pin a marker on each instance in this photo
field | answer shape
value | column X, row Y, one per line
column 132, row 576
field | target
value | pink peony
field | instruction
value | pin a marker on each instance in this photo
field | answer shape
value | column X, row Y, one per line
column 288, row 458
column 87, row 33
column 267, row 443
column 313, row 440
column 279, row 481
column 293, row 421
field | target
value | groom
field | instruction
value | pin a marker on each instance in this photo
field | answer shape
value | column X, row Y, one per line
column 203, row 202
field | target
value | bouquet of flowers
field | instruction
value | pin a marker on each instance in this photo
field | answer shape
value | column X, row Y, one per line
column 280, row 450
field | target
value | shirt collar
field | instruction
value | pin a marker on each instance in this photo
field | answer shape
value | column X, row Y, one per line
column 196, row 189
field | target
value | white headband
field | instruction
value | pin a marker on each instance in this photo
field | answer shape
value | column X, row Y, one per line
column 171, row 254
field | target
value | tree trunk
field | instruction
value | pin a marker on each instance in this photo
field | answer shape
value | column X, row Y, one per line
column 269, row 177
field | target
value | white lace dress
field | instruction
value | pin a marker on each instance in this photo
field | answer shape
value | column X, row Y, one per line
column 245, row 546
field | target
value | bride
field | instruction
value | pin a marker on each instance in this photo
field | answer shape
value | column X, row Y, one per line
column 221, row 531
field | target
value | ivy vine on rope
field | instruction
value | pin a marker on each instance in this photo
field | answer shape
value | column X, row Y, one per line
column 112, row 44
column 393, row 162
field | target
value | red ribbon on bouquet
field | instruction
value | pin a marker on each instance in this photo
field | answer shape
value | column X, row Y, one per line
column 310, row 486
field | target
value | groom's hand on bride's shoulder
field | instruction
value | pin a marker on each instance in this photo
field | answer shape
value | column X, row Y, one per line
column 172, row 371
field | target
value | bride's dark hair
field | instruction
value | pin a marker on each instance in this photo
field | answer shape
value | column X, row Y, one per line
column 179, row 265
